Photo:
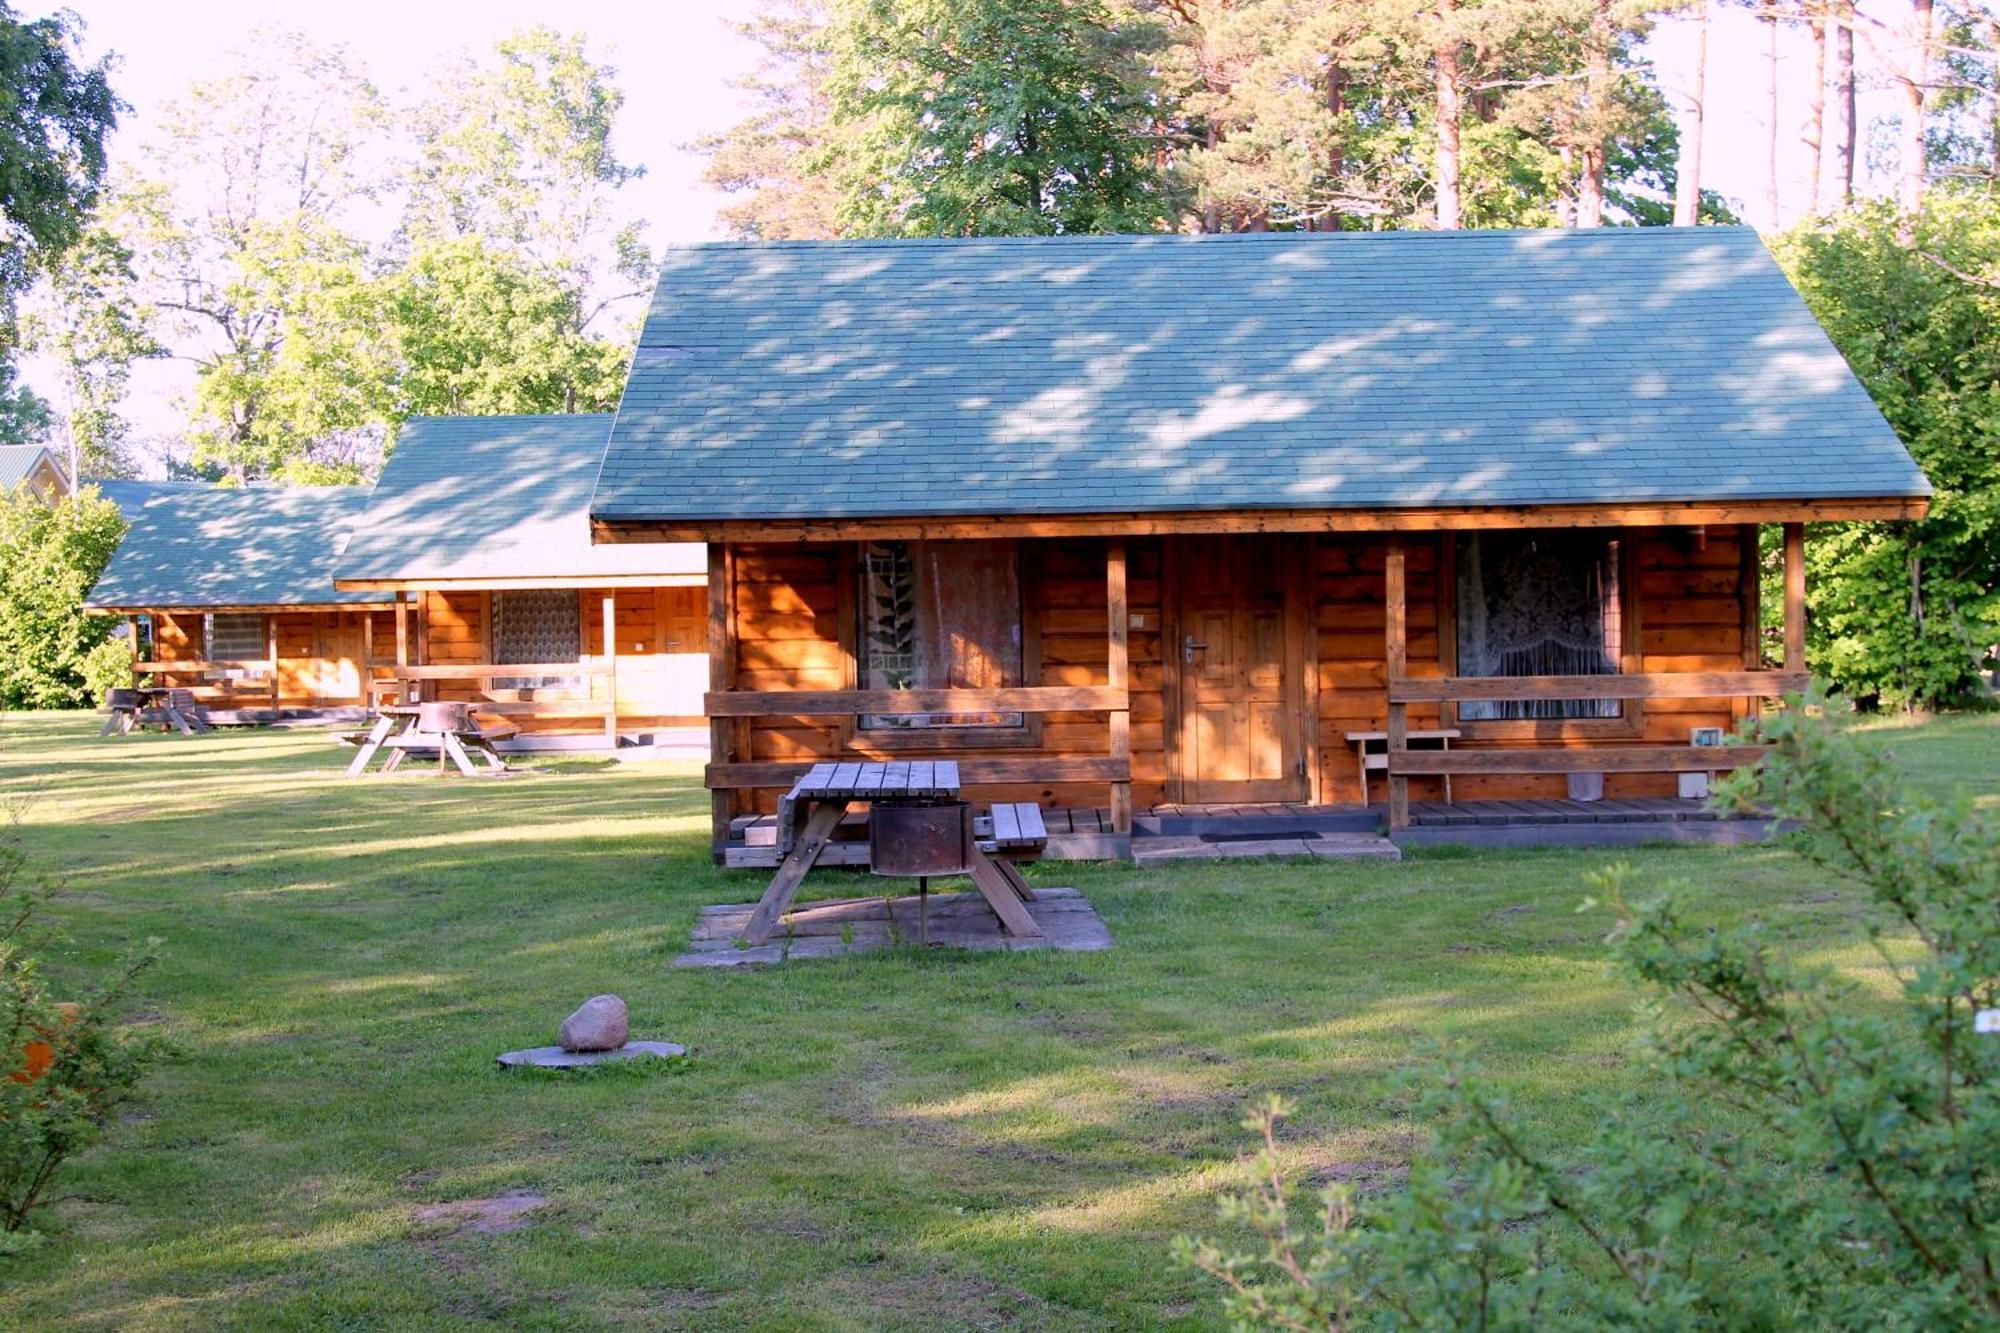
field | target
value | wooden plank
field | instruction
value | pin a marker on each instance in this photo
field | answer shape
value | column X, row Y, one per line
column 1795, row 597
column 1006, row 824
column 1396, row 660
column 1000, row 895
column 831, row 703
column 1029, row 817
column 1655, row 685
column 1118, row 628
column 721, row 677
column 972, row 771
column 611, row 669
column 1601, row 759
column 800, row 859
column 491, row 670
column 948, row 527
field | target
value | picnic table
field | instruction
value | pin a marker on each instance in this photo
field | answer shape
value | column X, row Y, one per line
column 809, row 813
column 448, row 728
column 148, row 705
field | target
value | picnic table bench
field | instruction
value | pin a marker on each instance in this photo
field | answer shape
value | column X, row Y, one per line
column 153, row 705
column 809, row 813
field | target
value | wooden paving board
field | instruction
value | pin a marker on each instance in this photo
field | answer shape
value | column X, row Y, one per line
column 856, row 925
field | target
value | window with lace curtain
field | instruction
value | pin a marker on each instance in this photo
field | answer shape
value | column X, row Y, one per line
column 235, row 638
column 940, row 615
column 1539, row 604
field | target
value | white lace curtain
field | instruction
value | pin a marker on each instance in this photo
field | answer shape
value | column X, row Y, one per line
column 537, row 625
column 1538, row 604
column 940, row 615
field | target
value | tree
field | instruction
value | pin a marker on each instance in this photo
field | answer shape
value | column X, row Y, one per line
column 88, row 320
column 1905, row 613
column 479, row 331
column 241, row 229
column 518, row 154
column 764, row 160
column 50, row 556
column 991, row 117
column 1687, row 170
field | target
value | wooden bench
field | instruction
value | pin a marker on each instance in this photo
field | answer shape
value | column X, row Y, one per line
column 1014, row 827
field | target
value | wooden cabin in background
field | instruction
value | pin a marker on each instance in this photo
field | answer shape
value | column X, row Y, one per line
column 33, row 467
column 479, row 531
column 1145, row 525
column 229, row 591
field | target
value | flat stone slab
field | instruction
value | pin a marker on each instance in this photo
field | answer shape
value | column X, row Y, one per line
column 555, row 1057
column 1330, row 846
column 857, row 925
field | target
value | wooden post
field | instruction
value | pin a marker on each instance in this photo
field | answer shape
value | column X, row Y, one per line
column 271, row 652
column 1118, row 626
column 132, row 631
column 419, row 691
column 721, row 676
column 402, row 643
column 611, row 662
column 367, row 656
column 1396, row 664
column 1795, row 597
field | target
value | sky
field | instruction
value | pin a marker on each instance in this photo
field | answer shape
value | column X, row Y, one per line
column 675, row 60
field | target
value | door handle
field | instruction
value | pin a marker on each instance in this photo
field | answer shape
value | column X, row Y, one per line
column 1189, row 648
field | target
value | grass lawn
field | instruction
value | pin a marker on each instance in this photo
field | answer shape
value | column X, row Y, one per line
column 903, row 1140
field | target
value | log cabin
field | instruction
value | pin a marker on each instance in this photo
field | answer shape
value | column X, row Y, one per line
column 228, row 591
column 32, row 467
column 479, row 531
column 1142, row 525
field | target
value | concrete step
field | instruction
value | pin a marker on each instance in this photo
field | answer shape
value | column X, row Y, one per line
column 1332, row 846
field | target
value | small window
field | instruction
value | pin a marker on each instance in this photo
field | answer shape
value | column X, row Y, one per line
column 236, row 638
column 1539, row 604
column 940, row 615
column 538, row 625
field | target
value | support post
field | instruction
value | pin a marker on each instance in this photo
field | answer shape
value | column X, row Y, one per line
column 721, row 676
column 419, row 691
column 271, row 656
column 1395, row 657
column 1118, row 627
column 402, row 643
column 132, row 632
column 367, row 656
column 1795, row 597
column 611, row 665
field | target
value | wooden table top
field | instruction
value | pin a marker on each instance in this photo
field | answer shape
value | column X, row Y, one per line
column 913, row 779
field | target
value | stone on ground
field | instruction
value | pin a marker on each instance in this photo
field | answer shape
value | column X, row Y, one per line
column 600, row 1023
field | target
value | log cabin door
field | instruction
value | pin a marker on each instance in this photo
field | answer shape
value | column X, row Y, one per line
column 1242, row 699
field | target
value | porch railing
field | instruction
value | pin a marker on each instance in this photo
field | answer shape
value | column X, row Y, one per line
column 409, row 684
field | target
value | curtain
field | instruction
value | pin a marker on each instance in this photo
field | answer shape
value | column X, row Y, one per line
column 537, row 625
column 940, row 615
column 1538, row 604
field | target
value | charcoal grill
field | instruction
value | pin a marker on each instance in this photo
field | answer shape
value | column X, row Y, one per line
column 918, row 840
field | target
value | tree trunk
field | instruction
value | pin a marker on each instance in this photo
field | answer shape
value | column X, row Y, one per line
column 1597, row 119
column 1771, row 205
column 1448, row 108
column 1913, row 166
column 1687, row 169
column 1815, row 129
column 1843, row 100
column 1336, row 158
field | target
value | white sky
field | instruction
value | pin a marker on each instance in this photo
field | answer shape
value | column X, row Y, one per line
column 675, row 58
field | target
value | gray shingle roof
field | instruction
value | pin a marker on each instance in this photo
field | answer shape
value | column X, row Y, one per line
column 1159, row 373
column 505, row 497
column 131, row 496
column 17, row 461
column 211, row 546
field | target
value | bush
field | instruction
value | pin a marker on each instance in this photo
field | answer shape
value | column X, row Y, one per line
column 1806, row 1155
column 50, row 556
column 66, row 1068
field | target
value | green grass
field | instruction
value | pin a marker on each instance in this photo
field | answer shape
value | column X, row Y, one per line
column 900, row 1140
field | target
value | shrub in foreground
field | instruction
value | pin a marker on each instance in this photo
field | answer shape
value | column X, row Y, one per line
column 1808, row 1154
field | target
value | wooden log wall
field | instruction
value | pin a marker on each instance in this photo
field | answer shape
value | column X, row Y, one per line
column 795, row 621
column 321, row 657
column 661, row 643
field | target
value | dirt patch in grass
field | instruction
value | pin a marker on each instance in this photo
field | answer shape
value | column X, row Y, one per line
column 484, row 1217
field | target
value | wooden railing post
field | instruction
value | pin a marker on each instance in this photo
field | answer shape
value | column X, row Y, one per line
column 1395, row 657
column 1795, row 597
column 721, row 677
column 1118, row 629
column 271, row 652
column 132, row 632
column 402, row 645
column 611, row 663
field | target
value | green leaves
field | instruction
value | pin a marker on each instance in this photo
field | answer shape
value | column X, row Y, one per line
column 50, row 555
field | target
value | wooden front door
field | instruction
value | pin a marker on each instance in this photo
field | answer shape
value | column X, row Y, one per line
column 1242, row 701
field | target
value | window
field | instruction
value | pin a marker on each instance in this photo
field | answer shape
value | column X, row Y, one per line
column 940, row 615
column 235, row 638
column 539, row 625
column 1539, row 604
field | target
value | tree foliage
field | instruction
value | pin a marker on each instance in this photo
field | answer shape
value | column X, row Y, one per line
column 765, row 161
column 1907, row 613
column 89, row 321
column 1805, row 1155
column 50, row 557
column 990, row 117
